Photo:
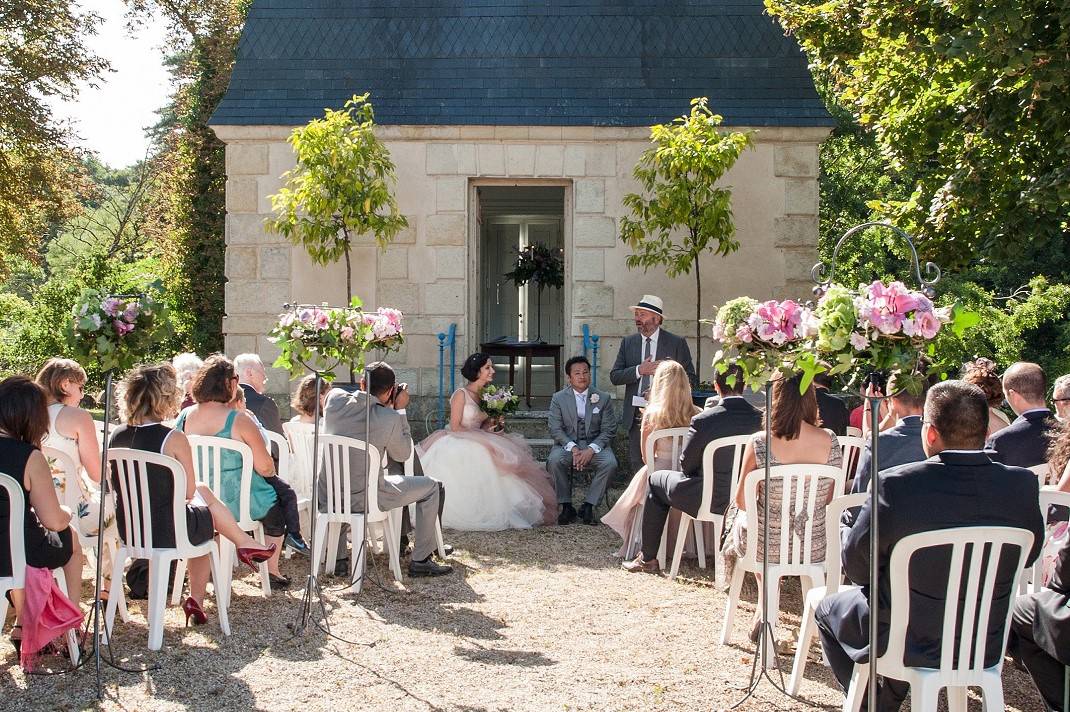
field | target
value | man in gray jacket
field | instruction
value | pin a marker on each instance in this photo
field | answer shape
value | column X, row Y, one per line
column 582, row 423
column 388, row 432
column 638, row 359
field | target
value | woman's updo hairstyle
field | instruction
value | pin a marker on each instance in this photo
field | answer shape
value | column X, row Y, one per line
column 472, row 365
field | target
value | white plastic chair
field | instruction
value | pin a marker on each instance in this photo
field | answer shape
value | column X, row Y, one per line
column 300, row 436
column 975, row 613
column 854, row 432
column 799, row 487
column 1031, row 579
column 338, row 477
column 17, row 554
column 1041, row 471
column 676, row 446
column 833, row 575
column 410, row 471
column 207, row 463
column 287, row 469
column 737, row 443
column 132, row 472
column 852, row 447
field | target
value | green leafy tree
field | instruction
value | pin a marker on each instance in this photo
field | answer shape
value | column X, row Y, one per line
column 971, row 98
column 683, row 213
column 340, row 188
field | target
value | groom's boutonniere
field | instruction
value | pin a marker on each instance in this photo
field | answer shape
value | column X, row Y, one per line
column 594, row 398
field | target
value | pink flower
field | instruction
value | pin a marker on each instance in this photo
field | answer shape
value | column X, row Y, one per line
column 926, row 324
column 859, row 342
column 744, row 334
column 718, row 332
column 347, row 333
column 286, row 320
column 111, row 306
column 321, row 320
column 393, row 316
column 121, row 327
column 130, row 314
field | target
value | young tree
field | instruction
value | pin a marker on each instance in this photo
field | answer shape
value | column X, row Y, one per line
column 683, row 212
column 340, row 188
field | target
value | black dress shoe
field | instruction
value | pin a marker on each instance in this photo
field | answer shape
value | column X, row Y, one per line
column 428, row 567
column 567, row 516
column 587, row 514
column 278, row 582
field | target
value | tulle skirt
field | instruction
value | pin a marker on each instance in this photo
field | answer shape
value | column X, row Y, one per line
column 491, row 480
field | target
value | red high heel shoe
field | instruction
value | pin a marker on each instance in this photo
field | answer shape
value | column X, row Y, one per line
column 193, row 610
column 253, row 557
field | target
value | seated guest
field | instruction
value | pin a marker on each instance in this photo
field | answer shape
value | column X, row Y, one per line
column 48, row 539
column 830, row 409
column 1040, row 633
column 797, row 439
column 583, row 423
column 899, row 444
column 304, row 400
column 252, row 376
column 1024, row 443
column 958, row 486
column 669, row 406
column 214, row 387
column 148, row 396
column 388, row 431
column 683, row 489
column 186, row 365
column 1060, row 396
column 981, row 372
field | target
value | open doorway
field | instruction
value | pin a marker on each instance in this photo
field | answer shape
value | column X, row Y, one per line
column 511, row 218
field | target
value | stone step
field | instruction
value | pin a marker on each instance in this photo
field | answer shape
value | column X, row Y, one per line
column 540, row 447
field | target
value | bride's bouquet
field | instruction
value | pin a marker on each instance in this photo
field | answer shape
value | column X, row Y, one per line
column 498, row 401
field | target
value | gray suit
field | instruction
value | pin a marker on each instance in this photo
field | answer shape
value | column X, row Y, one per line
column 670, row 348
column 388, row 431
column 599, row 427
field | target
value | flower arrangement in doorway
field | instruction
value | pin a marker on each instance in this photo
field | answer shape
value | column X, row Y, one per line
column 544, row 266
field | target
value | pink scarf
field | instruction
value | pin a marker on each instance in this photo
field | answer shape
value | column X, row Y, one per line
column 46, row 615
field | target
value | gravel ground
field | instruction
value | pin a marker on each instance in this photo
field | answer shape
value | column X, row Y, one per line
column 530, row 620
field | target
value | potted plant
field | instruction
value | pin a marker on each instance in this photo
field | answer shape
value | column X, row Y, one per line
column 542, row 265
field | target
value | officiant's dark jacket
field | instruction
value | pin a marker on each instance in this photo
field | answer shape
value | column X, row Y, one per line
column 951, row 489
column 670, row 347
column 733, row 416
column 1023, row 443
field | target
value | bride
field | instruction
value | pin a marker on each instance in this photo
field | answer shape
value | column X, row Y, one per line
column 493, row 481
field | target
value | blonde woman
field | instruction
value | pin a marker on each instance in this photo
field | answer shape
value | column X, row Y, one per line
column 670, row 406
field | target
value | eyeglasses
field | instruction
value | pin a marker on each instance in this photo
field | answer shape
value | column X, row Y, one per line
column 1060, row 400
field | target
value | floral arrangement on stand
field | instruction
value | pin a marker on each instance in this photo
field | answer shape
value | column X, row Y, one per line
column 116, row 332
column 543, row 265
column 880, row 327
column 498, row 401
column 321, row 337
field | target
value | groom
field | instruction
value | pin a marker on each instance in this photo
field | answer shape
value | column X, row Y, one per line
column 582, row 423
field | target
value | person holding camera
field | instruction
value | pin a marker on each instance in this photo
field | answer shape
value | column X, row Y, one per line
column 494, row 481
column 388, row 431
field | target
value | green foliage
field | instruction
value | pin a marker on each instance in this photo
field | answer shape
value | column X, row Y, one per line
column 971, row 97
column 683, row 213
column 341, row 187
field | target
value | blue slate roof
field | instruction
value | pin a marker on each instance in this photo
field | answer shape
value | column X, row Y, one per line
column 519, row 62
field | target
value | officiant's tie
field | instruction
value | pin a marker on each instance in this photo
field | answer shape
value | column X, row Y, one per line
column 644, row 382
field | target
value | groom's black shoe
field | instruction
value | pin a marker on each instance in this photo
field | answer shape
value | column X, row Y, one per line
column 587, row 513
column 568, row 514
column 428, row 567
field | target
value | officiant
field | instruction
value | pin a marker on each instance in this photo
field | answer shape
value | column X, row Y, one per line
column 638, row 358
column 583, row 423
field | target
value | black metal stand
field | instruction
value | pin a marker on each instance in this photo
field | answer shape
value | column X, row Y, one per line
column 874, row 403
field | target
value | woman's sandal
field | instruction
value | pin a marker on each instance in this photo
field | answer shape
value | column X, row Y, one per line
column 16, row 642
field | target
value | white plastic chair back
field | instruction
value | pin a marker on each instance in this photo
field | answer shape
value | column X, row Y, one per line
column 1041, row 471
column 799, row 488
column 131, row 479
column 974, row 612
column 852, row 447
column 738, row 443
column 833, row 513
column 280, row 446
column 338, row 475
column 854, row 432
column 301, row 436
column 71, row 495
column 676, row 435
column 1034, row 575
column 16, row 514
column 208, row 463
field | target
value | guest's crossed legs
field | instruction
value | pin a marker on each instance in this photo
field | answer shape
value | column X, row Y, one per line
column 603, row 465
column 668, row 489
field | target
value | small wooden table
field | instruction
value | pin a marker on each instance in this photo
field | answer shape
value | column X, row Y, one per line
column 529, row 350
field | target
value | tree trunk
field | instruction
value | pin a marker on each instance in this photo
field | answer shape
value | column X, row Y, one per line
column 349, row 297
column 698, row 324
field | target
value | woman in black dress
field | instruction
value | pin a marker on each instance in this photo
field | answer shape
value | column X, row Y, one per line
column 48, row 537
column 148, row 395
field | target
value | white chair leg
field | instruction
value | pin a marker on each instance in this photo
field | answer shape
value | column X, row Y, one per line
column 661, row 549
column 222, row 590
column 72, row 637
column 3, row 606
column 117, row 596
column 158, row 570
column 228, row 556
column 700, row 543
column 358, row 558
column 681, row 539
column 320, row 546
column 439, row 541
column 856, row 692
column 180, row 578
column 807, row 629
column 334, row 532
column 956, row 699
column 992, row 693
column 265, row 574
column 774, row 616
column 924, row 693
column 718, row 566
column 730, row 607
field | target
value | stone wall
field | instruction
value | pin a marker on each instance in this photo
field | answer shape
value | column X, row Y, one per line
column 427, row 271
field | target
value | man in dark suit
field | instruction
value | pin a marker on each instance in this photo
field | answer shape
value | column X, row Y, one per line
column 1024, row 443
column 900, row 444
column 1040, row 633
column 637, row 360
column 252, row 376
column 831, row 409
column 958, row 486
column 683, row 489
